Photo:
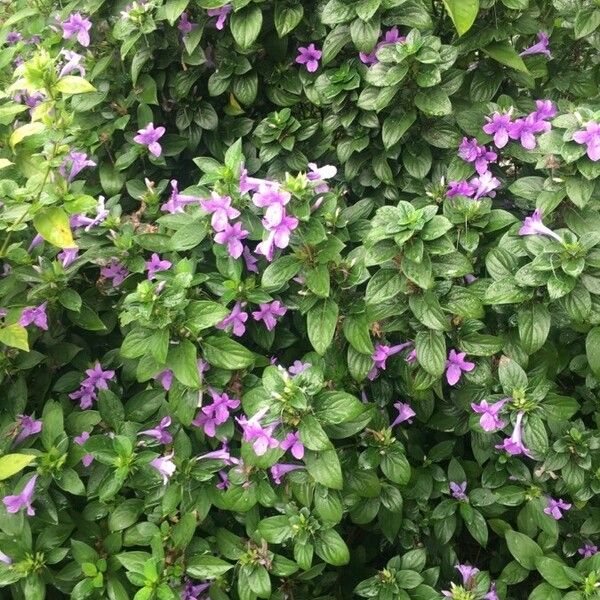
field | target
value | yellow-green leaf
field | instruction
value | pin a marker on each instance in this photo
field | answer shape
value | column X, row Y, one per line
column 505, row 54
column 14, row 336
column 462, row 13
column 11, row 464
column 19, row 134
column 70, row 84
column 4, row 162
column 53, row 225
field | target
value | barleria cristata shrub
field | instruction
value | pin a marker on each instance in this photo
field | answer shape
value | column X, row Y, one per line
column 300, row 300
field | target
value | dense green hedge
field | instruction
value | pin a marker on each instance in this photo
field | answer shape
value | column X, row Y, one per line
column 299, row 300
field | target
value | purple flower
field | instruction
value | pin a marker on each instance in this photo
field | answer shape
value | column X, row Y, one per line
column 97, row 379
column 12, row 37
column 250, row 260
column 298, row 367
column 261, row 436
column 221, row 454
column 177, row 201
column 80, row 440
column 279, row 235
column 248, row 184
column 498, row 126
column 73, row 63
column 485, row 185
column 7, row 560
column 28, row 426
column 467, row 572
column 460, row 188
column 236, row 318
column 185, row 25
column 67, row 256
column 587, row 550
column 215, row 414
column 36, row 315
column 86, row 395
column 149, row 137
column 545, row 109
column 533, row 225
column 165, row 466
column 160, row 433
column 23, row 500
column 269, row 312
column 86, row 222
column 514, row 444
column 165, row 378
column 489, row 419
column 391, row 36
column 317, row 173
column 590, row 136
column 221, row 14
column 524, row 130
column 115, row 271
column 542, row 47
column 405, row 413
column 458, row 490
column 553, row 507
column 309, row 56
column 76, row 161
column 273, row 199
column 292, row 442
column 191, row 591
column 156, row 265
column 221, row 210
column 279, row 470
column 411, row 357
column 472, row 152
column 455, row 365
column 381, row 354
column 79, row 26
column 232, row 235
column 224, row 483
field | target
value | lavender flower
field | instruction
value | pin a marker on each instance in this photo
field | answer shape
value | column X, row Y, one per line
column 498, row 125
column 298, row 367
column 165, row 466
column 471, row 151
column 13, row 37
column 514, row 444
column 215, row 414
column 28, row 426
column 492, row 594
column 405, row 413
column 232, row 236
column 185, row 25
column 221, row 454
column 78, row 26
column 250, row 260
column 236, row 319
column 533, row 225
column 545, row 109
column 390, row 37
column 165, row 378
column 248, row 184
column 156, row 265
column 279, row 235
column 292, row 442
column 149, row 136
column 542, row 46
column 177, row 202
column 23, row 500
column 467, row 572
column 76, row 162
column 525, row 129
column 4, row 558
column 160, row 433
column 489, row 419
column 459, row 490
column 273, row 199
column 261, row 436
column 86, row 222
column 224, row 483
column 67, row 256
column 381, row 354
column 191, row 591
column 97, row 379
column 554, row 507
column 36, row 315
column 485, row 185
column 72, row 63
column 590, row 136
column 455, row 365
column 80, row 440
column 460, row 188
column 279, row 470
column 221, row 210
column 115, row 271
column 221, row 14
column 310, row 57
column 269, row 312
column 587, row 550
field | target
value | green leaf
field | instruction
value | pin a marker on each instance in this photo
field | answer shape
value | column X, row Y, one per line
column 206, row 566
column 331, row 548
column 431, row 351
column 280, row 272
column 174, row 8
column 463, row 13
column 71, row 84
column 245, row 26
column 287, row 17
column 396, row 467
column 52, row 424
column 312, row 434
column 52, row 223
column 433, row 102
column 553, row 572
column 592, row 350
column 336, row 407
column 202, row 314
column 364, row 34
column 505, row 54
column 523, row 548
column 27, row 130
column 182, row 360
column 15, row 336
column 321, row 322
column 324, row 467
column 356, row 331
column 225, row 353
column 11, row 464
column 534, row 325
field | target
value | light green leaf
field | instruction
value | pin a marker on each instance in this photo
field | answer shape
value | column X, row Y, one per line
column 11, row 464
column 71, row 84
column 15, row 336
column 462, row 13
column 52, row 224
column 505, row 54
